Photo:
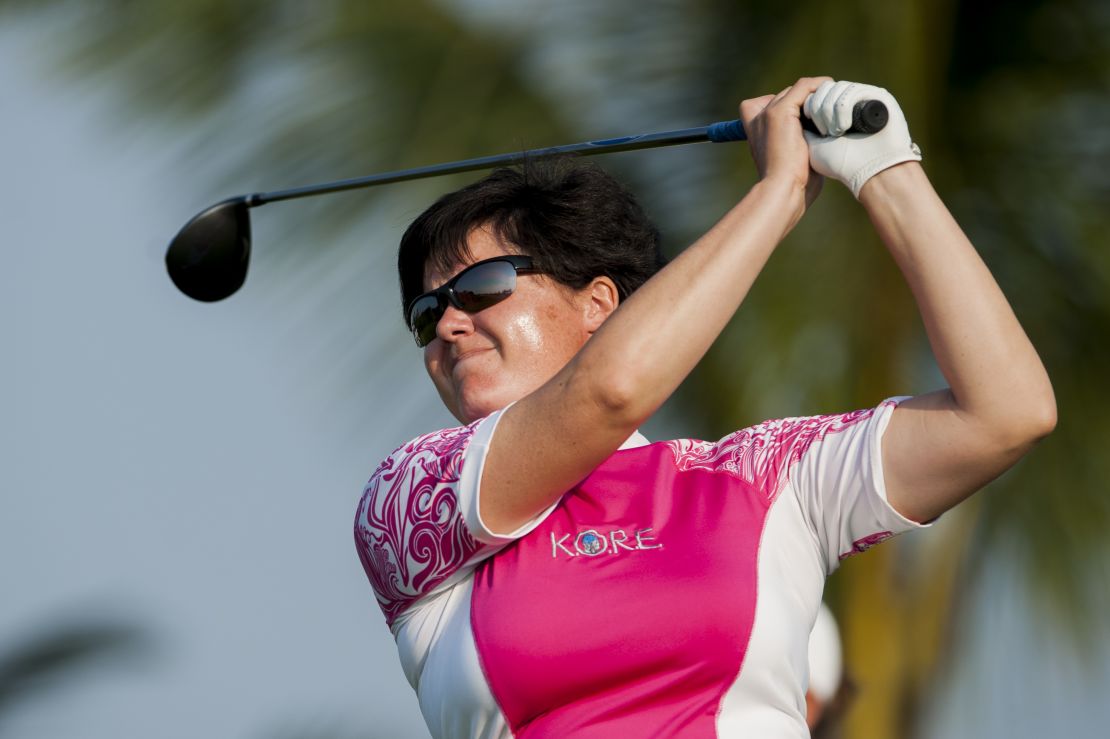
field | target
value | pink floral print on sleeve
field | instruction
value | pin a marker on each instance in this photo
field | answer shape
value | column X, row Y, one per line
column 410, row 533
column 762, row 455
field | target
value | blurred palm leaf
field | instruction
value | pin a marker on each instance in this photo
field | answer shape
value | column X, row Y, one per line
column 48, row 659
column 259, row 96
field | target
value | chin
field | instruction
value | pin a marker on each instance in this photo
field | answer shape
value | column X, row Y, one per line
column 474, row 405
column 476, row 395
column 472, row 411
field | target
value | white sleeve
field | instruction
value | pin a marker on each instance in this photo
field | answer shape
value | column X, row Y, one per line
column 469, row 488
column 838, row 480
column 418, row 529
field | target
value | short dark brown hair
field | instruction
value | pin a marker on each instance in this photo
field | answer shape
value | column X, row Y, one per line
column 576, row 222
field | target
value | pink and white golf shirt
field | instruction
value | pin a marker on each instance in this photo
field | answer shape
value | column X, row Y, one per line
column 670, row 594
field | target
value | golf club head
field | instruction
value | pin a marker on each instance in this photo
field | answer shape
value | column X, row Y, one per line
column 208, row 258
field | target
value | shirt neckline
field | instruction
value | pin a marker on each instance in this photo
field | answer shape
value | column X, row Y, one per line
column 632, row 442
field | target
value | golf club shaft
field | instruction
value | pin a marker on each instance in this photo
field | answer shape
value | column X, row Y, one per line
column 208, row 257
column 868, row 116
column 716, row 132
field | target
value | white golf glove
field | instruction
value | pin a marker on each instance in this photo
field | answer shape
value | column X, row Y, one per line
column 855, row 158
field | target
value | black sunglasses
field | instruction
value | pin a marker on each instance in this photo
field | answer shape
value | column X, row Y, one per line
column 476, row 288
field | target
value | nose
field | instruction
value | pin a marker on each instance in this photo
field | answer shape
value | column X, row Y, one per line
column 454, row 324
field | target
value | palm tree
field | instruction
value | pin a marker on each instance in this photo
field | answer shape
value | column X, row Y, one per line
column 834, row 324
column 1001, row 99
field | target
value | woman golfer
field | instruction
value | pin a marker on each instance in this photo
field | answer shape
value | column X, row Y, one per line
column 549, row 572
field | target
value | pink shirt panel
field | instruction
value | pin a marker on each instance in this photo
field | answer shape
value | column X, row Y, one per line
column 632, row 603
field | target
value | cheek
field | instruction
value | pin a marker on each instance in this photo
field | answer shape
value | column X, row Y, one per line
column 433, row 365
column 545, row 338
column 527, row 331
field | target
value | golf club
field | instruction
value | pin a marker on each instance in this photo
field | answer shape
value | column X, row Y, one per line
column 208, row 258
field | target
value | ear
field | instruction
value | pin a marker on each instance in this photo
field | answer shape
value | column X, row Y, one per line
column 600, row 299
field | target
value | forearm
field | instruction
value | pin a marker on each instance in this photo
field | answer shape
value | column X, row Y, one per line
column 645, row 350
column 997, row 380
column 558, row 434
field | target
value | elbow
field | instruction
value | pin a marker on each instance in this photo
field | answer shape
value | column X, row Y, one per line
column 619, row 398
column 1043, row 422
column 1040, row 414
column 1027, row 425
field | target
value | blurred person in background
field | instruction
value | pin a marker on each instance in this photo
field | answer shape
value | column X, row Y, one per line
column 830, row 690
column 546, row 570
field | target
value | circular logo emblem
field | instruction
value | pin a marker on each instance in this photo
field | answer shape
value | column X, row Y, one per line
column 590, row 544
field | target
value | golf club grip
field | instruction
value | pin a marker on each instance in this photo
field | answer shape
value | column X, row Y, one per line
column 868, row 116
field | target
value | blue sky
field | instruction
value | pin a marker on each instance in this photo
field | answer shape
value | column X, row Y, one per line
column 162, row 459
column 190, row 466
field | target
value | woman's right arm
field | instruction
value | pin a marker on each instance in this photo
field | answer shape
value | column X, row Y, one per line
column 551, row 439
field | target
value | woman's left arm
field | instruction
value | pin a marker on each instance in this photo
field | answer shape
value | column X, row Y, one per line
column 941, row 447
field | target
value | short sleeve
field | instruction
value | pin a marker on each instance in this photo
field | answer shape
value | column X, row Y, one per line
column 418, row 529
column 838, row 480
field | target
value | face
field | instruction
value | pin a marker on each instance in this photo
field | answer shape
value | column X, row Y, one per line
column 481, row 362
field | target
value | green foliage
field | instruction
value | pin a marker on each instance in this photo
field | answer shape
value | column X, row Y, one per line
column 296, row 92
column 1031, row 167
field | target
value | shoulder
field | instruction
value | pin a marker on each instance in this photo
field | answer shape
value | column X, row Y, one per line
column 421, row 476
column 439, row 454
column 409, row 529
column 763, row 454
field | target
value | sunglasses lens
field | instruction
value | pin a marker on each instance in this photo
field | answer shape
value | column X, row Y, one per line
column 423, row 317
column 474, row 289
column 484, row 285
